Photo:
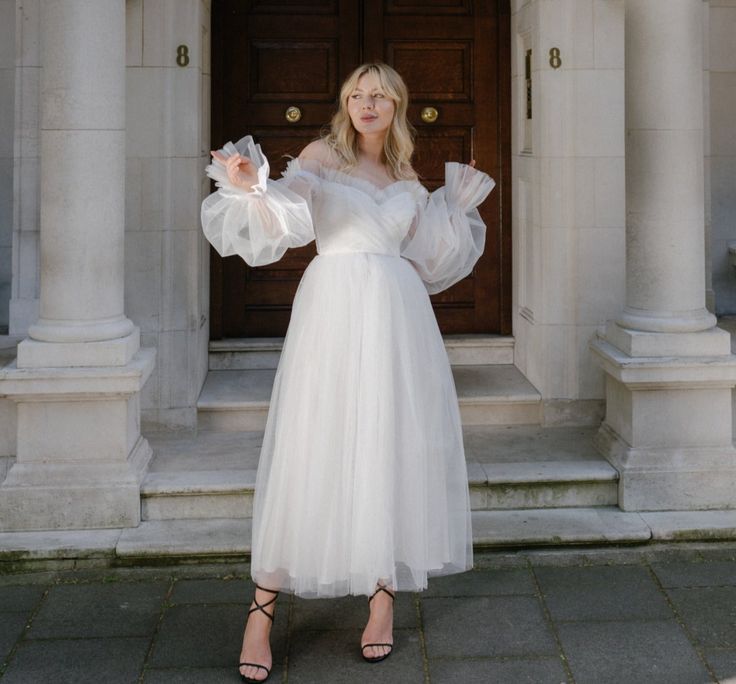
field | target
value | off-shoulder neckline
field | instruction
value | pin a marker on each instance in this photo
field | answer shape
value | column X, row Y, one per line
column 333, row 174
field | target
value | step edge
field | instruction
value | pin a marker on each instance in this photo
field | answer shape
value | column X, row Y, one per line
column 258, row 344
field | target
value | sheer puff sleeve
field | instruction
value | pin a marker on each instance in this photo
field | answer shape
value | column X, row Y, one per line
column 261, row 224
column 448, row 235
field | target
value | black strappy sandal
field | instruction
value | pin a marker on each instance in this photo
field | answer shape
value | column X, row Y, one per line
column 259, row 606
column 376, row 659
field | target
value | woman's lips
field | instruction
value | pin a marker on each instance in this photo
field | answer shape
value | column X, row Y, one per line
column 368, row 118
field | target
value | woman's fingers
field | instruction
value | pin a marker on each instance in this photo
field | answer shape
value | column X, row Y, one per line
column 234, row 160
column 235, row 165
column 472, row 162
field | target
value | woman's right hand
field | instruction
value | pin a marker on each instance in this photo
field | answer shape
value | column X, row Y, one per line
column 240, row 170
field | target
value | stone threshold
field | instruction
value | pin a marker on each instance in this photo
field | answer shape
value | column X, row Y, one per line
column 166, row 541
column 264, row 352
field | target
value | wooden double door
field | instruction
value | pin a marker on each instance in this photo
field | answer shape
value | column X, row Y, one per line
column 272, row 55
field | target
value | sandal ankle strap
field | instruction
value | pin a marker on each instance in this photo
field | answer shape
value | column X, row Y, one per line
column 261, row 606
column 381, row 588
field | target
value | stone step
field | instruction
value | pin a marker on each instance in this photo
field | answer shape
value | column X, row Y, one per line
column 212, row 475
column 229, row 493
column 492, row 394
column 157, row 541
column 252, row 353
column 223, row 537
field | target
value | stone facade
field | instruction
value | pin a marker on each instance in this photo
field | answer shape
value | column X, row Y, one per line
column 570, row 164
column 568, row 185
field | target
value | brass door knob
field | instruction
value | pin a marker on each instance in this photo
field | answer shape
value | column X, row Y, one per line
column 429, row 115
column 293, row 114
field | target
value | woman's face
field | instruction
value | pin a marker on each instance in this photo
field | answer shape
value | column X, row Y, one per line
column 370, row 109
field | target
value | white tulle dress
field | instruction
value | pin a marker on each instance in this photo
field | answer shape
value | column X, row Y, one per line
column 362, row 472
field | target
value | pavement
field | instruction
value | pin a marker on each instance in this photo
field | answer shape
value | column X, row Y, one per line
column 651, row 614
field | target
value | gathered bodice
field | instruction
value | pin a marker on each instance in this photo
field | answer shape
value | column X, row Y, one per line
column 441, row 232
column 352, row 214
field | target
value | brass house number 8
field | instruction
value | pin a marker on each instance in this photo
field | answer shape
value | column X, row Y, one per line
column 182, row 55
column 555, row 61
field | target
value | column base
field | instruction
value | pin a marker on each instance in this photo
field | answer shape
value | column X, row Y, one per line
column 117, row 352
column 45, row 330
column 69, row 496
column 667, row 321
column 668, row 426
column 669, row 479
column 637, row 343
column 80, row 455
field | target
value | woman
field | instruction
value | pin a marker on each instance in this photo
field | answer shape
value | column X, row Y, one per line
column 362, row 484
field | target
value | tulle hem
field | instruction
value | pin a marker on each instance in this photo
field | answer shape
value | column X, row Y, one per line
column 403, row 578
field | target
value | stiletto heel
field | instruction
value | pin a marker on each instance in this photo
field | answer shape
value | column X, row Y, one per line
column 261, row 607
column 376, row 659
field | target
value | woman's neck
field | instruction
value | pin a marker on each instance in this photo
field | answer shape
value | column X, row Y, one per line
column 371, row 148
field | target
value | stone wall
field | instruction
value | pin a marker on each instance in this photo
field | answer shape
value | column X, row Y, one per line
column 26, row 200
column 568, row 184
column 722, row 100
column 167, row 258
column 7, row 118
column 568, row 188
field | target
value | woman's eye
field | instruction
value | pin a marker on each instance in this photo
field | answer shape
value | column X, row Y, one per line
column 355, row 96
column 378, row 95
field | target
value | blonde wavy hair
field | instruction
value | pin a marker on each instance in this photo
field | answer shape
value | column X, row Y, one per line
column 398, row 145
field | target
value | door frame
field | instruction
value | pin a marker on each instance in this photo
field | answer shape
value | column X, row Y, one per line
column 503, row 182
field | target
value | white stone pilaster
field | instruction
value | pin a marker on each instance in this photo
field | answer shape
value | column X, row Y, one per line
column 77, row 379
column 669, row 371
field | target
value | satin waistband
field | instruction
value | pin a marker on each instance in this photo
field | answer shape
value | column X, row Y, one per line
column 354, row 252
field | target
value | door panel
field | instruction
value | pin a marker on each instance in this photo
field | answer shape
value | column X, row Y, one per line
column 453, row 54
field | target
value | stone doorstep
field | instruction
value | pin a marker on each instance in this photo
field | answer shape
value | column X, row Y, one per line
column 264, row 352
column 228, row 493
column 227, row 538
column 233, row 400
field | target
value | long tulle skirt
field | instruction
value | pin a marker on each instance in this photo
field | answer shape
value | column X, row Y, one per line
column 362, row 473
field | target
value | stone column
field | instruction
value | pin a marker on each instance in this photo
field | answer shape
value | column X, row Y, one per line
column 80, row 456
column 665, row 202
column 669, row 369
column 82, row 185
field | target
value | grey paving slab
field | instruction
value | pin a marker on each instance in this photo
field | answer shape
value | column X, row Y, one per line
column 485, row 626
column 38, row 578
column 78, row 661
column 348, row 612
column 194, row 675
column 99, row 610
column 602, row 593
column 210, row 637
column 723, row 663
column 334, row 656
column 720, row 551
column 651, row 652
column 481, row 582
column 11, row 629
column 702, row 574
column 214, row 591
column 709, row 612
column 23, row 598
column 484, row 670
